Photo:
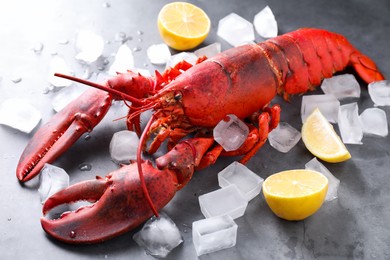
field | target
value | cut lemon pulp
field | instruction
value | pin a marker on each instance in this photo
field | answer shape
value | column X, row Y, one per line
column 321, row 140
column 295, row 194
column 183, row 26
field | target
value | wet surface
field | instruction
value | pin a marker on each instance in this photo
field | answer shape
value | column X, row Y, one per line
column 353, row 226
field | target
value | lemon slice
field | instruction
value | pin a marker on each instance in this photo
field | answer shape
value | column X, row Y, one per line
column 321, row 140
column 183, row 26
column 295, row 194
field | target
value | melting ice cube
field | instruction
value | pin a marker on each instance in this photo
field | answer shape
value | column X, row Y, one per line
column 333, row 182
column 327, row 104
column 124, row 60
column 158, row 53
column 19, row 114
column 235, row 30
column 380, row 92
column 246, row 181
column 349, row 124
column 89, row 46
column 123, row 146
column 51, row 180
column 284, row 137
column 67, row 95
column 225, row 201
column 265, row 23
column 159, row 236
column 213, row 234
column 58, row 65
column 374, row 122
column 231, row 133
column 341, row 86
column 209, row 51
column 187, row 56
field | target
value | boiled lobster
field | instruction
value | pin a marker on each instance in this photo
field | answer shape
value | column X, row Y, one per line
column 186, row 100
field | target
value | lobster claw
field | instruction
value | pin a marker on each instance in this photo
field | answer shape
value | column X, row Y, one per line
column 63, row 129
column 120, row 204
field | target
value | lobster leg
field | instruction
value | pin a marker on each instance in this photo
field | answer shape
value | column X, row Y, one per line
column 267, row 121
column 56, row 136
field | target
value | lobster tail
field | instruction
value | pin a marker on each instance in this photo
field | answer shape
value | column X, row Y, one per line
column 310, row 55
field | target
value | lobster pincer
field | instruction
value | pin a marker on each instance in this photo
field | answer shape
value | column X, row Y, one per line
column 118, row 201
column 119, row 204
column 65, row 128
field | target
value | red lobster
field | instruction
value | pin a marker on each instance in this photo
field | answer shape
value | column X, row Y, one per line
column 185, row 99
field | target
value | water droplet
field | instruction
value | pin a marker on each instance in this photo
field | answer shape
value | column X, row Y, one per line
column 137, row 48
column 87, row 137
column 9, row 219
column 72, row 234
column 120, row 37
column 139, row 32
column 186, row 228
column 45, row 91
column 16, row 80
column 140, row 40
column 106, row 5
column 38, row 47
column 63, row 41
column 85, row 167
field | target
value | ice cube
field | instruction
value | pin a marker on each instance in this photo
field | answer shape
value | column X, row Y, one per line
column 187, row 56
column 19, row 114
column 374, row 122
column 284, row 137
column 159, row 236
column 158, row 53
column 246, row 181
column 225, row 201
column 123, row 146
column 341, row 86
column 214, row 234
column 58, row 65
column 124, row 60
column 51, row 180
column 209, row 51
column 67, row 95
column 89, row 46
column 349, row 124
column 265, row 23
column 380, row 92
column 235, row 30
column 333, row 182
column 231, row 133
column 327, row 104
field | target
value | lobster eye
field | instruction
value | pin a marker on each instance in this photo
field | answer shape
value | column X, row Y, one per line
column 178, row 95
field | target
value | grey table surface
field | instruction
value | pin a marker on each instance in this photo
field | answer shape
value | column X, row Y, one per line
column 355, row 226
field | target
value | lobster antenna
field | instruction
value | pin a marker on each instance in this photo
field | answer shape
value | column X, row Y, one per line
column 101, row 87
column 139, row 166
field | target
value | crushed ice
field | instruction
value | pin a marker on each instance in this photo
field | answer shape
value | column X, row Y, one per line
column 89, row 46
column 19, row 114
column 158, row 53
column 51, row 180
column 235, row 30
column 265, row 23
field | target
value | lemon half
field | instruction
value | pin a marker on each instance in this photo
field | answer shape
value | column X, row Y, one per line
column 183, row 26
column 295, row 194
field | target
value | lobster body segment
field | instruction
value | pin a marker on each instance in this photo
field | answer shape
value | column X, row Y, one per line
column 185, row 99
column 236, row 75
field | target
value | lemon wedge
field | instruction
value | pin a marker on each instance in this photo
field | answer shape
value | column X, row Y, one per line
column 295, row 194
column 183, row 26
column 321, row 140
